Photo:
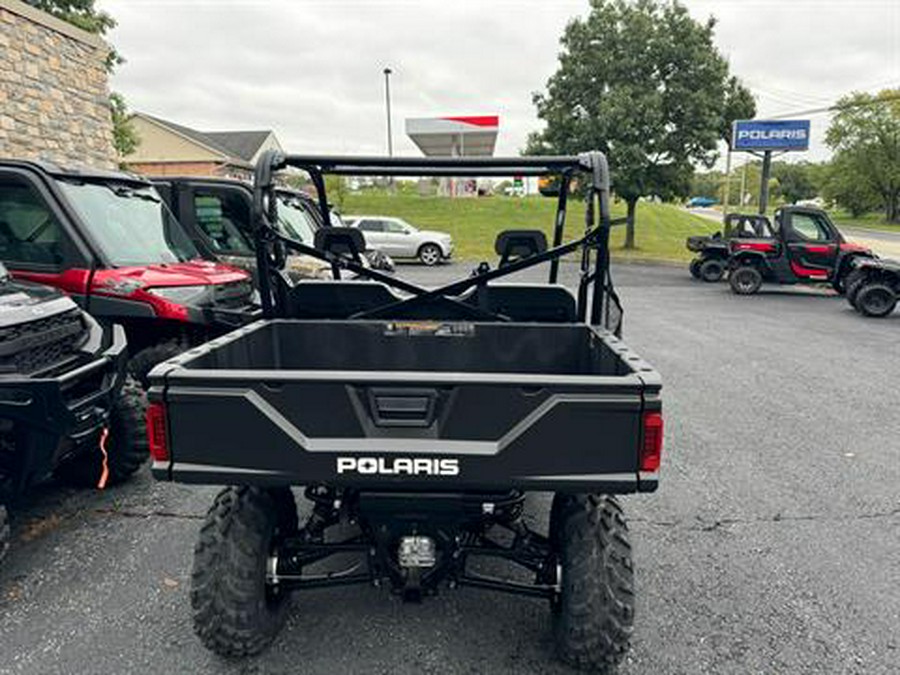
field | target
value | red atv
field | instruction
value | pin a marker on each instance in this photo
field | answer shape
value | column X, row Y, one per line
column 108, row 240
column 805, row 247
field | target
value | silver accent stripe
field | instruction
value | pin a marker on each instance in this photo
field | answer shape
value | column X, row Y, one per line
column 399, row 445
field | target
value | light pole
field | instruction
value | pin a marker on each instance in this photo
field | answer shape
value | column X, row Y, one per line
column 387, row 103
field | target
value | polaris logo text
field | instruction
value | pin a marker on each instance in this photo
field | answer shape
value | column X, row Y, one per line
column 773, row 134
column 398, row 466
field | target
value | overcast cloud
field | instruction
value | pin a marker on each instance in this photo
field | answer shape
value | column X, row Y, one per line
column 312, row 69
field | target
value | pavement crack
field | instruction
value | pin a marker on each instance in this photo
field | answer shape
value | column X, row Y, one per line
column 699, row 524
column 153, row 513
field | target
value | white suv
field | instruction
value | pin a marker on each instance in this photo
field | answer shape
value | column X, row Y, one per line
column 399, row 239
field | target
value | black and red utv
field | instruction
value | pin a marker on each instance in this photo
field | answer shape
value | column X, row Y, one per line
column 803, row 247
column 712, row 251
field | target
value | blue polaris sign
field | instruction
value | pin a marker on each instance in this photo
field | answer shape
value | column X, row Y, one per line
column 770, row 135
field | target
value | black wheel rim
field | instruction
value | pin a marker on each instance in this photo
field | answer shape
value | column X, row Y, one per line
column 877, row 301
column 746, row 281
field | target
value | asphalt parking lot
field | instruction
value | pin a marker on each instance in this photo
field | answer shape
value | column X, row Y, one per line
column 772, row 546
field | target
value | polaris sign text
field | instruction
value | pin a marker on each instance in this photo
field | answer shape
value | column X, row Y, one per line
column 770, row 135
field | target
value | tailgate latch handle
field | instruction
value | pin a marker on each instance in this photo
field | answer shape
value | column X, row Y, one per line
column 391, row 407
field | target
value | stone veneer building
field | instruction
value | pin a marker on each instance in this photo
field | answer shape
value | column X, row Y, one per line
column 54, row 95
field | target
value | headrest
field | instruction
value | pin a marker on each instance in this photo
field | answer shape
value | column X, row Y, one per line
column 346, row 241
column 519, row 244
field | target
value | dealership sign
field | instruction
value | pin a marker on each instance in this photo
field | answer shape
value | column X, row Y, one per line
column 770, row 135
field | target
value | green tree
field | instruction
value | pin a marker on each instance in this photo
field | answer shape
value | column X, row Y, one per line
column 125, row 137
column 842, row 185
column 795, row 181
column 865, row 137
column 643, row 82
column 85, row 15
column 706, row 184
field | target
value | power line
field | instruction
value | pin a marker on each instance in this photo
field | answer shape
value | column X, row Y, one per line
column 844, row 106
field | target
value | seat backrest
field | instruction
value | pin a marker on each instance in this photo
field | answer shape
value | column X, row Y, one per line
column 347, row 241
column 314, row 299
column 545, row 303
column 519, row 244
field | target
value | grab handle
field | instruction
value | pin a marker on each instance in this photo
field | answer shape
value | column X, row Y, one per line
column 391, row 407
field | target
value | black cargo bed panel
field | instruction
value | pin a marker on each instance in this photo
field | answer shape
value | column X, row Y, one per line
column 414, row 346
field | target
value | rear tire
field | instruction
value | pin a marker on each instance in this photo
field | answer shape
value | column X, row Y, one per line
column 694, row 267
column 712, row 270
column 143, row 362
column 5, row 532
column 876, row 300
column 594, row 615
column 430, row 254
column 127, row 448
column 745, row 280
column 235, row 612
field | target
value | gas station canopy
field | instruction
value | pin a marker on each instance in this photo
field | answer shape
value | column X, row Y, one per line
column 464, row 136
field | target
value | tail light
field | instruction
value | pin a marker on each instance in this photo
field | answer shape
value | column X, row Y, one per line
column 651, row 449
column 156, row 432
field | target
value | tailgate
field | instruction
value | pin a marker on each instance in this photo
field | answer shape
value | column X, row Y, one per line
column 406, row 429
column 410, row 431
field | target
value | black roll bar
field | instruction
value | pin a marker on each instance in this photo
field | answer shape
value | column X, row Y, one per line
column 595, row 241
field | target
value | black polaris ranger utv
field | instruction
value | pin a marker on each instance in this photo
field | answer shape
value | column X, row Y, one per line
column 65, row 406
column 420, row 418
column 712, row 250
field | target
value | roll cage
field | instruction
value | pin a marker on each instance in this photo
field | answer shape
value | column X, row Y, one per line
column 597, row 301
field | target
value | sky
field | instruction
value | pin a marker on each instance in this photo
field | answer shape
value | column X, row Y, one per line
column 311, row 70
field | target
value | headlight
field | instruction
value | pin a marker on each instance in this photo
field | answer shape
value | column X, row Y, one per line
column 181, row 295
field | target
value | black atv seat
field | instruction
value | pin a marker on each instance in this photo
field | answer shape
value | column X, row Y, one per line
column 347, row 241
column 527, row 302
column 314, row 299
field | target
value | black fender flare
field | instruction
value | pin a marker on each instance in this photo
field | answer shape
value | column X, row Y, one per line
column 845, row 260
column 755, row 258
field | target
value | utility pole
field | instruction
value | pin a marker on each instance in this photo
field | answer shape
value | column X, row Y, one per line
column 764, row 183
column 743, row 183
column 387, row 105
column 727, row 195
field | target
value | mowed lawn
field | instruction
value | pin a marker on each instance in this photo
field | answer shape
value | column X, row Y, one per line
column 474, row 222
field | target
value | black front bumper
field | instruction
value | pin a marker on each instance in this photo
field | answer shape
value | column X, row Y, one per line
column 72, row 406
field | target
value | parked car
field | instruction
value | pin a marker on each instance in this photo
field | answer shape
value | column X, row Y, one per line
column 109, row 241
column 701, row 202
column 66, row 405
column 399, row 239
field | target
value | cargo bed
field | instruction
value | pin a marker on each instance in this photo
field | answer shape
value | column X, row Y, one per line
column 412, row 405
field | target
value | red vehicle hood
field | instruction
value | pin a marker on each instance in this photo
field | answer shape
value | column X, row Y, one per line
column 194, row 273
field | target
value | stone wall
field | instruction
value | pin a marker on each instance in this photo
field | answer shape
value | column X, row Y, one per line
column 53, row 90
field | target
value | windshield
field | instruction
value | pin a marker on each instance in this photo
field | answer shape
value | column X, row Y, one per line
column 130, row 224
column 295, row 221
